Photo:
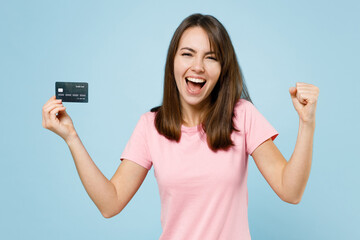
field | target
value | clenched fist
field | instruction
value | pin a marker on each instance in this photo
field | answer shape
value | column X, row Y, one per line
column 304, row 97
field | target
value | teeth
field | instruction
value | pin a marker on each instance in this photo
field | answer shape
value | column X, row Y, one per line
column 196, row 80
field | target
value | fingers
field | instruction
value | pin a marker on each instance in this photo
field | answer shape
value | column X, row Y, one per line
column 50, row 105
column 48, row 108
column 54, row 111
column 307, row 87
column 49, row 111
column 306, row 93
column 52, row 100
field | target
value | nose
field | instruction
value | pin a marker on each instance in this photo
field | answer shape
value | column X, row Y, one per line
column 198, row 65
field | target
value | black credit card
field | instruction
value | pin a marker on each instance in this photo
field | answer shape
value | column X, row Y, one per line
column 72, row 91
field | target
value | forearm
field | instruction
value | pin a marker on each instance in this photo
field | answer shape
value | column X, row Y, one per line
column 101, row 191
column 297, row 170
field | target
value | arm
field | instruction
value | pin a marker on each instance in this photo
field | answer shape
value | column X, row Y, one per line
column 289, row 179
column 109, row 196
column 112, row 196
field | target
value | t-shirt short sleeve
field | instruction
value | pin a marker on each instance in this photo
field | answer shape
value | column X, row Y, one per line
column 257, row 128
column 136, row 149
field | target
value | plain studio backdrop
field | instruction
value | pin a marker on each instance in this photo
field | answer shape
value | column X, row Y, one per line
column 119, row 48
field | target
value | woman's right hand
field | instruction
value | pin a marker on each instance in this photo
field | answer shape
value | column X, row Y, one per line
column 60, row 124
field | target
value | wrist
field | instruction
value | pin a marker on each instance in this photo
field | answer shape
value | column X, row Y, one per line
column 307, row 124
column 73, row 136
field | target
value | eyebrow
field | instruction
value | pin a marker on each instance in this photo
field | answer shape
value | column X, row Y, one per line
column 192, row 50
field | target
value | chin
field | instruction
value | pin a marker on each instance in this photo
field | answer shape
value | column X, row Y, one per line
column 194, row 102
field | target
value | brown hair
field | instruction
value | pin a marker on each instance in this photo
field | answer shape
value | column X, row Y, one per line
column 218, row 118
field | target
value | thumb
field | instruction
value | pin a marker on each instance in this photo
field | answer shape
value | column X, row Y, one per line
column 292, row 92
column 296, row 103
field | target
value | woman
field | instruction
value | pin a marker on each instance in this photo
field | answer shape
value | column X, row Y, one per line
column 199, row 140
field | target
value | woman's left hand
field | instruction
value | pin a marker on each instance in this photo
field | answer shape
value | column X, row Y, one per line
column 304, row 97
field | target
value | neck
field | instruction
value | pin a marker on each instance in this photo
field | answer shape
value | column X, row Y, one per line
column 193, row 115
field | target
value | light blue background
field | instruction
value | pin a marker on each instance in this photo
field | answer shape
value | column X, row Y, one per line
column 119, row 48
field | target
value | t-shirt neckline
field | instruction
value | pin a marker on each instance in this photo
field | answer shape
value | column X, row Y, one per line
column 192, row 129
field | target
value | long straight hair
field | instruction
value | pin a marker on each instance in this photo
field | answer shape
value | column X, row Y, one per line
column 217, row 122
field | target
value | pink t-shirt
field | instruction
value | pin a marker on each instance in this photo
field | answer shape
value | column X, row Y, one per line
column 203, row 194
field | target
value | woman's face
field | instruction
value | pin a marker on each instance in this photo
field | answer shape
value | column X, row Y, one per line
column 196, row 68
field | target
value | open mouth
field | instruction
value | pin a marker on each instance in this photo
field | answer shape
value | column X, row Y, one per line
column 195, row 84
